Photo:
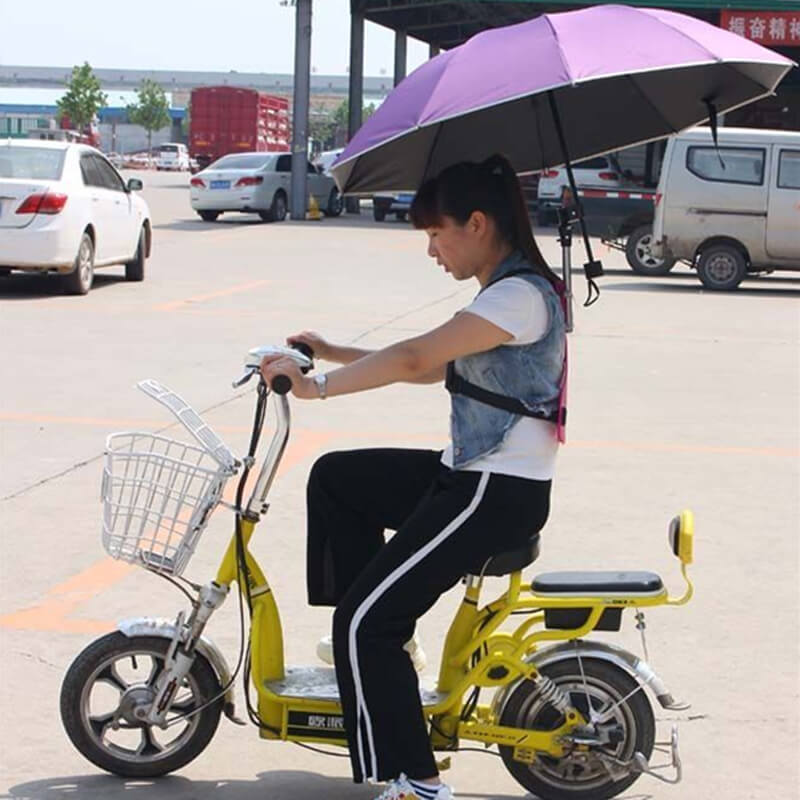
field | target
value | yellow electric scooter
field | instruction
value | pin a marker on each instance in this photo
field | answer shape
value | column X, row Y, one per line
column 571, row 717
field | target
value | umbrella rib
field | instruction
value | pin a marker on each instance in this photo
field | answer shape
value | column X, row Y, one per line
column 695, row 42
column 560, row 50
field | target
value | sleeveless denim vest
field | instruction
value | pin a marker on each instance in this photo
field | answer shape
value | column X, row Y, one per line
column 530, row 373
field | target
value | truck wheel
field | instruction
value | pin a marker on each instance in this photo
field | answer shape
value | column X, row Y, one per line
column 641, row 260
column 335, row 204
column 208, row 216
column 378, row 213
column 542, row 218
column 721, row 267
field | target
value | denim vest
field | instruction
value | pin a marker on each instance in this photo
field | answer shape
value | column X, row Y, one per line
column 531, row 373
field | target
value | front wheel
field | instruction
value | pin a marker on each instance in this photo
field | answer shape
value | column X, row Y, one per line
column 595, row 772
column 335, row 204
column 109, row 688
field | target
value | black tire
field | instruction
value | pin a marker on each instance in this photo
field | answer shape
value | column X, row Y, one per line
column 378, row 213
column 134, row 270
column 721, row 267
column 79, row 281
column 402, row 216
column 97, row 664
column 335, row 204
column 542, row 217
column 587, row 780
column 208, row 216
column 277, row 211
column 637, row 251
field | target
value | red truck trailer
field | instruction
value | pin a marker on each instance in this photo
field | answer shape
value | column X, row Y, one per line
column 226, row 119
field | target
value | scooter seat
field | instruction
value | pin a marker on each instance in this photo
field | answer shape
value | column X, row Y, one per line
column 598, row 583
column 511, row 560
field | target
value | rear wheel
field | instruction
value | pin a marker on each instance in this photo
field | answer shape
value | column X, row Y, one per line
column 583, row 774
column 108, row 689
column 134, row 270
column 277, row 211
column 208, row 216
column 79, row 281
column 721, row 267
column 641, row 260
column 379, row 213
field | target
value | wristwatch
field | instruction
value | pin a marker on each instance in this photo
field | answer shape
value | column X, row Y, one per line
column 322, row 385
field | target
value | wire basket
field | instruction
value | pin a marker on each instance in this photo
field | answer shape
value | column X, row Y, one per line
column 158, row 495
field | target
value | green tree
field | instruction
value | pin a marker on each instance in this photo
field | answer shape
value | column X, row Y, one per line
column 83, row 98
column 151, row 111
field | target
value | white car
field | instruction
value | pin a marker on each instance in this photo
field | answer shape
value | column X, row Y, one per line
column 258, row 183
column 65, row 209
column 172, row 156
column 598, row 172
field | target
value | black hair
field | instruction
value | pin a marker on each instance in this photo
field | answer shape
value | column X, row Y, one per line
column 490, row 186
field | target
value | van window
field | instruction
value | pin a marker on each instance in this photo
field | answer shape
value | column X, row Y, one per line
column 169, row 148
column 789, row 169
column 741, row 165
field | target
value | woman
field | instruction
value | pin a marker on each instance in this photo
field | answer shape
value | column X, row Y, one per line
column 503, row 360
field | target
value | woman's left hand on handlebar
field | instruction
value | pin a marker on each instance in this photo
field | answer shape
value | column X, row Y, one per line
column 302, row 386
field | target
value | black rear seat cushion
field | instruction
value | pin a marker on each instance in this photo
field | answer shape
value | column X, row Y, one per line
column 597, row 583
column 511, row 560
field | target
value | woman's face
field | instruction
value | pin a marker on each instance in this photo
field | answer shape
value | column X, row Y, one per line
column 459, row 248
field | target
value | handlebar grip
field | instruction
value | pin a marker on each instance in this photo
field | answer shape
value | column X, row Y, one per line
column 305, row 349
column 281, row 384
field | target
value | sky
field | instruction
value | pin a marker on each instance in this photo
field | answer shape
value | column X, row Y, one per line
column 256, row 36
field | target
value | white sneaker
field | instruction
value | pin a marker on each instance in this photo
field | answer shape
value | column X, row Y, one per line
column 413, row 647
column 401, row 789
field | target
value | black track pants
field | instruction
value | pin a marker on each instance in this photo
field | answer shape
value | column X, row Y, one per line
column 448, row 524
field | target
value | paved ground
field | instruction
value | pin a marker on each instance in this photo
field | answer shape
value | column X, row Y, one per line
column 679, row 398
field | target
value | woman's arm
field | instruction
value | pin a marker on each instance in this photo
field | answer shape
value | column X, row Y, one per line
column 413, row 360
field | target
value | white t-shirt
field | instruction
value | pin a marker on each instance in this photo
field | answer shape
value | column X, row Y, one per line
column 530, row 447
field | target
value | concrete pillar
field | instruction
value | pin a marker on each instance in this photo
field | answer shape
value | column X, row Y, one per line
column 433, row 51
column 302, row 89
column 400, row 48
column 355, row 97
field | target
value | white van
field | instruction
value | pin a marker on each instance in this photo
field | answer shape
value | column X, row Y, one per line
column 172, row 155
column 733, row 210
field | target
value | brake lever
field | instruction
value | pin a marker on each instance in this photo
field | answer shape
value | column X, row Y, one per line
column 246, row 377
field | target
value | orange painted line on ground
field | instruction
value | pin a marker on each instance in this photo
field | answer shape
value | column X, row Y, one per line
column 54, row 613
column 174, row 305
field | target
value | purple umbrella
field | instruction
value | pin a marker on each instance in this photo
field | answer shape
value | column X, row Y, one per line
column 605, row 77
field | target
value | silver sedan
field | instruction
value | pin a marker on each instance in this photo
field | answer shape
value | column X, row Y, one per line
column 257, row 183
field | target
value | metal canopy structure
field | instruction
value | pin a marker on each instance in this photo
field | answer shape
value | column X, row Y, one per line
column 447, row 23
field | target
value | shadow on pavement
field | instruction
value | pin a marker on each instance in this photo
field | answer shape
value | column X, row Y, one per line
column 277, row 785
column 757, row 287
column 22, row 286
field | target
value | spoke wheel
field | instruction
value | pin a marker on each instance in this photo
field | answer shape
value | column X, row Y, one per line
column 590, row 774
column 639, row 256
column 79, row 281
column 107, row 693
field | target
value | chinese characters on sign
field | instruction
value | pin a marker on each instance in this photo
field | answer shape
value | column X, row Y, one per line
column 764, row 27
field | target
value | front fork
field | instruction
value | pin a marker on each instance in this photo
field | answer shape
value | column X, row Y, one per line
column 182, row 651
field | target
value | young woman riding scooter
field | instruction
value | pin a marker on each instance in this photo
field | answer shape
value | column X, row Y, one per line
column 503, row 360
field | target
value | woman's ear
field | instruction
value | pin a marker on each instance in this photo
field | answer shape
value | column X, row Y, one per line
column 478, row 223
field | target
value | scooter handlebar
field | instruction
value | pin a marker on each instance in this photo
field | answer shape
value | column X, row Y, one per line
column 282, row 384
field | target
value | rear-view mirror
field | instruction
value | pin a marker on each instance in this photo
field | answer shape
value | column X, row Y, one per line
column 135, row 185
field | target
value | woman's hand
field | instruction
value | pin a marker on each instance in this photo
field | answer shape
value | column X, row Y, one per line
column 302, row 386
column 322, row 348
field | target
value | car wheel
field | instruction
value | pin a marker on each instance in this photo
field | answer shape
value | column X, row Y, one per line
column 542, row 218
column 79, row 281
column 335, row 204
column 401, row 216
column 641, row 260
column 134, row 270
column 721, row 267
column 277, row 211
column 208, row 216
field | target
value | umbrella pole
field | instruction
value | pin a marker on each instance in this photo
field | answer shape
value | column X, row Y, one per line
column 592, row 268
column 565, row 238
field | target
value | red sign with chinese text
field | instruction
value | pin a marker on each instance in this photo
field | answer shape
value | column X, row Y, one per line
column 764, row 27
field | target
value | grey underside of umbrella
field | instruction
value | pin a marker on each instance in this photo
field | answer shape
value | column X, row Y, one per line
column 598, row 116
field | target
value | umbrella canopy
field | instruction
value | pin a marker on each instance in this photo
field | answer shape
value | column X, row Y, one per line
column 619, row 75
